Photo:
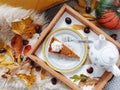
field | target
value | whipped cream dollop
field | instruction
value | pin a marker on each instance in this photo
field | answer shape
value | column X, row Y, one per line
column 56, row 46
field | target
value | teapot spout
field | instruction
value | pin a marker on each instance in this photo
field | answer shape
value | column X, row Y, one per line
column 101, row 42
column 115, row 70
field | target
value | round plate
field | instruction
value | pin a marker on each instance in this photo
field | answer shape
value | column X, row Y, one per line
column 63, row 63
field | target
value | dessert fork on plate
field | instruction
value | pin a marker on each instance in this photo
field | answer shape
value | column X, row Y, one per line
column 85, row 40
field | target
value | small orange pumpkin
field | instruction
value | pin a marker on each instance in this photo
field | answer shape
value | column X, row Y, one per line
column 108, row 13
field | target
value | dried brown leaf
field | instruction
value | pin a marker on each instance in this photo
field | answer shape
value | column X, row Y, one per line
column 2, row 43
column 82, row 3
column 4, row 76
column 88, row 82
column 43, row 74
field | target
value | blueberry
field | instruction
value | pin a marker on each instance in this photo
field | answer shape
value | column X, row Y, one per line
column 38, row 68
column 90, row 70
column 87, row 30
column 38, row 29
column 114, row 36
column 3, row 50
column 54, row 81
column 68, row 20
column 25, row 42
column 88, row 9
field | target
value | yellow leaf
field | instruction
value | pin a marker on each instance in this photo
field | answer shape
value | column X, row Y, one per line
column 2, row 58
column 77, row 26
column 93, row 4
column 24, row 27
column 29, row 79
column 43, row 72
column 87, row 15
column 29, row 31
column 6, row 62
column 27, row 20
column 9, row 52
column 18, row 27
column 19, row 59
column 12, row 66
column 90, row 19
column 82, row 3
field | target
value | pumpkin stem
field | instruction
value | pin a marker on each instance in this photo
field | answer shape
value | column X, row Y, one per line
column 118, row 10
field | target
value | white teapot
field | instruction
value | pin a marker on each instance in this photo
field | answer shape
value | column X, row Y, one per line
column 105, row 54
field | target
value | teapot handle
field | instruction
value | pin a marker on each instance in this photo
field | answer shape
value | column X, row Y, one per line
column 115, row 70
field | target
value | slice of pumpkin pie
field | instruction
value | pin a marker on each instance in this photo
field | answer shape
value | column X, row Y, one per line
column 57, row 47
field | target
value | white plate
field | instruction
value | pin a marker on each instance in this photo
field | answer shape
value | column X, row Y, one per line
column 63, row 63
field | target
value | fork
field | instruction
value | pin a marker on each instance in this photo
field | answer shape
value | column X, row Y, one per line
column 85, row 40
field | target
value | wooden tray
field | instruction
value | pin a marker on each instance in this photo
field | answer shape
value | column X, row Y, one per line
column 105, row 77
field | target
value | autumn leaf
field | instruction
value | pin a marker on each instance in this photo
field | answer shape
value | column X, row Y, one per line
column 7, row 60
column 93, row 4
column 77, row 26
column 9, row 52
column 24, row 27
column 82, row 3
column 88, row 16
column 79, row 77
column 43, row 73
column 80, row 9
column 96, row 23
column 2, row 58
column 29, row 79
column 88, row 82
column 76, row 78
